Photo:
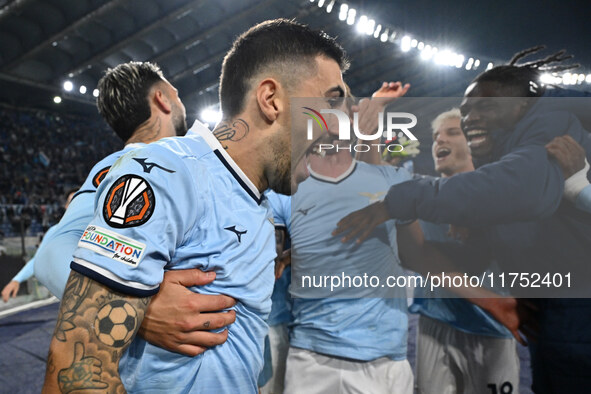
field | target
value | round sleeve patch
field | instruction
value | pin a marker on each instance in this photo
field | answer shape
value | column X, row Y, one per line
column 130, row 202
column 99, row 176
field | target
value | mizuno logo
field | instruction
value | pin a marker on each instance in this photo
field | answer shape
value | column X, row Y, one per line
column 236, row 231
column 305, row 211
column 149, row 166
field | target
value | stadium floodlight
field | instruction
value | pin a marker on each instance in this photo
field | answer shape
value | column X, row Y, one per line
column 343, row 11
column 95, row 93
column 414, row 43
column 427, row 53
column 489, row 66
column 469, row 63
column 476, row 64
column 445, row 58
column 362, row 24
column 377, row 31
column 329, row 7
column 588, row 78
column 210, row 115
column 421, row 45
column 351, row 16
column 405, row 44
column 320, row 3
column 68, row 86
column 547, row 79
column 57, row 99
column 371, row 25
column 581, row 78
column 459, row 61
column 384, row 36
column 82, row 89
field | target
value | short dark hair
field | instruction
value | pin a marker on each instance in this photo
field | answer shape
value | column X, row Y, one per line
column 123, row 96
column 525, row 78
column 278, row 42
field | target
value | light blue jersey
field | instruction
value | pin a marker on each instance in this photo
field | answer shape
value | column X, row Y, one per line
column 183, row 203
column 354, row 328
column 457, row 312
column 26, row 272
column 52, row 262
column 281, row 301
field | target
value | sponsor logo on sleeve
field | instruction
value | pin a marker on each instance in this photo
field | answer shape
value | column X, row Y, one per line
column 130, row 202
column 99, row 176
column 147, row 166
column 112, row 245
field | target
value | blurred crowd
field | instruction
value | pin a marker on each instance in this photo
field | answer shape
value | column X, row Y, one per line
column 42, row 155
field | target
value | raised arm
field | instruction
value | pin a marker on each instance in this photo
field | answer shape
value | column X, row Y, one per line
column 95, row 325
column 368, row 110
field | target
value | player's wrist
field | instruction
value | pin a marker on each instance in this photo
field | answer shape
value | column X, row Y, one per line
column 576, row 183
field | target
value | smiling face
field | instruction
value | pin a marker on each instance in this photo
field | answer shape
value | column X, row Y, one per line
column 450, row 151
column 485, row 108
column 325, row 89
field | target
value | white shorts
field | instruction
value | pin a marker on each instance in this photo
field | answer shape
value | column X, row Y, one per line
column 279, row 344
column 308, row 372
column 450, row 361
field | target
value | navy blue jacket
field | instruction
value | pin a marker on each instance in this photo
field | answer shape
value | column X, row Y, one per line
column 516, row 199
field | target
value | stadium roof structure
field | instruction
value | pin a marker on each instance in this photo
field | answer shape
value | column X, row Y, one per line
column 44, row 43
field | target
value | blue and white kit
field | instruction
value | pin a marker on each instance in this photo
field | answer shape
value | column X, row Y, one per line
column 52, row 262
column 339, row 324
column 183, row 203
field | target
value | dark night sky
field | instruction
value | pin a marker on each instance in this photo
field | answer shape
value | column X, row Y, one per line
column 492, row 29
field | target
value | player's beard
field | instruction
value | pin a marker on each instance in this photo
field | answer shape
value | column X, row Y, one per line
column 280, row 175
column 179, row 121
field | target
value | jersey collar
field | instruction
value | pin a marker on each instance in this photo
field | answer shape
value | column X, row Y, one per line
column 202, row 130
column 330, row 179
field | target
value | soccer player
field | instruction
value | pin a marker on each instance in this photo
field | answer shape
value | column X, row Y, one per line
column 338, row 340
column 460, row 348
column 516, row 195
column 193, row 202
column 141, row 106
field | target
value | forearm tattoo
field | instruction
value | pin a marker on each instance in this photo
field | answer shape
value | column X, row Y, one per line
column 95, row 325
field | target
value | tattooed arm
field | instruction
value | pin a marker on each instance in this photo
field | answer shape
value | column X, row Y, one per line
column 95, row 325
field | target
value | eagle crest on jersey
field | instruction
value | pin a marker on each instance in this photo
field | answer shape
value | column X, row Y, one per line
column 130, row 202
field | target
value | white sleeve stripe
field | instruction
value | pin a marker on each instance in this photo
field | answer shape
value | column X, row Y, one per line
column 109, row 275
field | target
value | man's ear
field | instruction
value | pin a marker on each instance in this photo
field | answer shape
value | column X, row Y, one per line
column 160, row 100
column 270, row 99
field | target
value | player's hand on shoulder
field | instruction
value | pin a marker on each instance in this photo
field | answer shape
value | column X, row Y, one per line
column 180, row 320
column 360, row 224
column 568, row 153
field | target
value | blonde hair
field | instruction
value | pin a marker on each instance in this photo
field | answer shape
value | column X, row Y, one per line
column 453, row 113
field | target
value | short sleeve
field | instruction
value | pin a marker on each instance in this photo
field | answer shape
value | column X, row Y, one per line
column 145, row 208
column 281, row 207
